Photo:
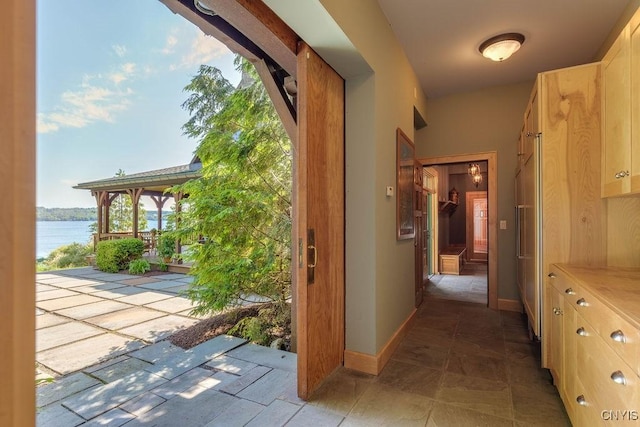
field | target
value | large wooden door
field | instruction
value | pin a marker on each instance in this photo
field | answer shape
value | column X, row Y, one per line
column 319, row 221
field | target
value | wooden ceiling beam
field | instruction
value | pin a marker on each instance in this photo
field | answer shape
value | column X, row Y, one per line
column 281, row 102
column 216, row 27
column 256, row 21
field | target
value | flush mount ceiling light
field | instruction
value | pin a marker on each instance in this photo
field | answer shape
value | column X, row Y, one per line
column 502, row 46
column 203, row 8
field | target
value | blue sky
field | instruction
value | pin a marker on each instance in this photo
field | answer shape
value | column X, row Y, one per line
column 110, row 79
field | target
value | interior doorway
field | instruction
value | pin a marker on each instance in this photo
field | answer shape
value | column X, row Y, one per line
column 477, row 226
column 476, row 280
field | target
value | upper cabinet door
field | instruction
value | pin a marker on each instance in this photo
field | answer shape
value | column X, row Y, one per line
column 617, row 118
column 532, row 126
column 634, row 30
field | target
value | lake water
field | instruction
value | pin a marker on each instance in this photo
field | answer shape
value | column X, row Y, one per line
column 53, row 234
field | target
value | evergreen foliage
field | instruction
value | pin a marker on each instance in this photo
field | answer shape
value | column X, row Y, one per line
column 242, row 203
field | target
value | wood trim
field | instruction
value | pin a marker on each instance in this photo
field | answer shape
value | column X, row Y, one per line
column 510, row 305
column 492, row 159
column 373, row 365
column 17, row 216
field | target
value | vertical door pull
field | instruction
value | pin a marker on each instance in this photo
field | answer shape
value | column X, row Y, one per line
column 312, row 256
column 312, row 250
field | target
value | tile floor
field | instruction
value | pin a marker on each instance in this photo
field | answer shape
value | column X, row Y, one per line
column 470, row 285
column 461, row 364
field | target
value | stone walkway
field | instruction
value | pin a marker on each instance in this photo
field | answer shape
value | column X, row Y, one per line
column 101, row 337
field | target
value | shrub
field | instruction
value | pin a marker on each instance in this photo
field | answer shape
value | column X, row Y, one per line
column 162, row 266
column 166, row 246
column 67, row 256
column 139, row 266
column 115, row 255
column 255, row 329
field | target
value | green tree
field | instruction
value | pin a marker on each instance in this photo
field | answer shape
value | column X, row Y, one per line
column 242, row 203
column 121, row 212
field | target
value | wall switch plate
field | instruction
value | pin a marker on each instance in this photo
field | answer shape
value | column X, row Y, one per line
column 503, row 224
column 389, row 191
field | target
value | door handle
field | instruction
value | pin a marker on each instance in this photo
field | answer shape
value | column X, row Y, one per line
column 314, row 251
column 312, row 256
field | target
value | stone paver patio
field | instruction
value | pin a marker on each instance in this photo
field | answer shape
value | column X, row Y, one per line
column 101, row 336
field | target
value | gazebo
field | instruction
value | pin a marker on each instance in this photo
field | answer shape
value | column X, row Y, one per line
column 152, row 183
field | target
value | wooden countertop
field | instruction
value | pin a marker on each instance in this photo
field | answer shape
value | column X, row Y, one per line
column 617, row 288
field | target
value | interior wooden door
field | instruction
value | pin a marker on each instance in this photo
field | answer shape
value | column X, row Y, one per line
column 477, row 226
column 319, row 220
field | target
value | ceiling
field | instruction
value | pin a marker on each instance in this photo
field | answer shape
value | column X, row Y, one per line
column 441, row 38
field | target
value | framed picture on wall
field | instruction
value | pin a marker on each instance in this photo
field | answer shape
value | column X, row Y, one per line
column 405, row 153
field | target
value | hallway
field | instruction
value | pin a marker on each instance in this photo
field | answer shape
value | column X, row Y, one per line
column 469, row 286
column 460, row 365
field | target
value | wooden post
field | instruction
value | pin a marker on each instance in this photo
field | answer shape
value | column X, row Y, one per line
column 135, row 194
column 159, row 201
column 178, row 197
column 107, row 211
column 96, row 237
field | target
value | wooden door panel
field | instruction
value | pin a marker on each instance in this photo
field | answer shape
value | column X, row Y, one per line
column 319, row 207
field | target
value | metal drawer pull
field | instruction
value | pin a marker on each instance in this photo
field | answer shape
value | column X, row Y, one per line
column 557, row 311
column 552, row 275
column 569, row 291
column 618, row 378
column 618, row 336
column 581, row 400
column 582, row 332
column 582, row 302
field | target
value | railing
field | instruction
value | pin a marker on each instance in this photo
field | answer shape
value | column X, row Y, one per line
column 149, row 238
column 99, row 237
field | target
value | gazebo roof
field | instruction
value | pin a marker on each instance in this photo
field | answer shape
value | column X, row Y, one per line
column 153, row 182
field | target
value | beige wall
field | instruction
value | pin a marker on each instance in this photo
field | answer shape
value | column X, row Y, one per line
column 380, row 269
column 382, row 90
column 481, row 121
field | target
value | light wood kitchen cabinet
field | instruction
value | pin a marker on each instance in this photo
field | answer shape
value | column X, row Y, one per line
column 559, row 209
column 634, row 39
column 621, row 113
column 555, row 304
column 531, row 125
column 592, row 328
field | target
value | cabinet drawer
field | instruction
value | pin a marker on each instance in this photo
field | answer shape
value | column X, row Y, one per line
column 597, row 365
column 586, row 413
column 563, row 284
column 618, row 334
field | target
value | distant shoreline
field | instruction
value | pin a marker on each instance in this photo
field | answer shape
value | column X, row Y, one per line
column 81, row 214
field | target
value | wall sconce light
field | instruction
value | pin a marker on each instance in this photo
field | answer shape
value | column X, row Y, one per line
column 477, row 179
column 501, row 47
column 476, row 175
